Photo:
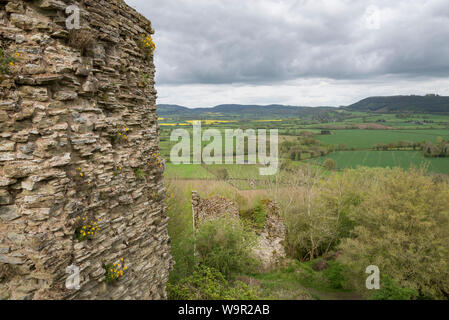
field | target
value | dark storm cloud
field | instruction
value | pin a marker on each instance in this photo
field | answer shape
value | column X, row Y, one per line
column 261, row 41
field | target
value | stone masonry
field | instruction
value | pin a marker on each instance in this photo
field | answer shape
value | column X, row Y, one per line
column 205, row 210
column 79, row 145
column 270, row 249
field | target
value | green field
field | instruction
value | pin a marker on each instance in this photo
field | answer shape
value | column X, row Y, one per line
column 237, row 171
column 412, row 128
column 363, row 139
column 404, row 159
column 190, row 171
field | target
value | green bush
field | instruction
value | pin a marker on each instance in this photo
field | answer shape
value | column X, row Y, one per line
column 335, row 275
column 180, row 230
column 401, row 227
column 209, row 284
column 226, row 245
column 317, row 217
column 390, row 290
column 254, row 213
column 259, row 215
column 222, row 174
column 287, row 165
column 330, row 279
column 330, row 164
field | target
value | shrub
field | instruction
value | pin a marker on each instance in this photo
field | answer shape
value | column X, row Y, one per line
column 390, row 290
column 329, row 279
column 401, row 227
column 330, row 164
column 226, row 245
column 335, row 275
column 259, row 215
column 209, row 284
column 287, row 165
column 82, row 39
column 316, row 216
column 180, row 230
column 222, row 174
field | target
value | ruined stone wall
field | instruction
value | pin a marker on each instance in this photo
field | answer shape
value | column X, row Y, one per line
column 79, row 147
column 205, row 210
column 270, row 246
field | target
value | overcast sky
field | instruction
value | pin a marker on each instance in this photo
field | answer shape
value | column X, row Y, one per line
column 304, row 52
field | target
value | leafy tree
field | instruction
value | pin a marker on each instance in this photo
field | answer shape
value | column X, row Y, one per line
column 226, row 245
column 444, row 148
column 287, row 165
column 316, row 217
column 401, row 227
column 330, row 164
column 403, row 144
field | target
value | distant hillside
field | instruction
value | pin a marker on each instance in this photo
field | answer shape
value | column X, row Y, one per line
column 418, row 104
column 241, row 111
column 170, row 109
column 393, row 104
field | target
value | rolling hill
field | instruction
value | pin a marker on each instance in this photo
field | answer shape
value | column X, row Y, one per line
column 396, row 104
column 392, row 104
column 242, row 111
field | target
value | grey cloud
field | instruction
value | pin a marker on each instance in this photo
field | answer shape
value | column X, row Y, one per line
column 269, row 41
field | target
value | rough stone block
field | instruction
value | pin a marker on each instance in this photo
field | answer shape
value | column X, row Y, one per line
column 9, row 213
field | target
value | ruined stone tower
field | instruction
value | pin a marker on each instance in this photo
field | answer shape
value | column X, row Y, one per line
column 80, row 173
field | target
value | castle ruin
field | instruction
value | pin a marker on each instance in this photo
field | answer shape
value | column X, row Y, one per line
column 80, row 172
